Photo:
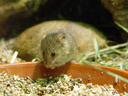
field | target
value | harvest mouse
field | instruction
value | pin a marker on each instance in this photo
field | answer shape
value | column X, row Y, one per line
column 56, row 42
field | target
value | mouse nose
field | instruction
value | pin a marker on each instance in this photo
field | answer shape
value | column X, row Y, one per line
column 49, row 65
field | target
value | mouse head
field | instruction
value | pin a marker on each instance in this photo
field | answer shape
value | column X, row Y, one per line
column 58, row 48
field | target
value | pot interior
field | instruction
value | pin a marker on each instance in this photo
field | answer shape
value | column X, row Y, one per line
column 89, row 75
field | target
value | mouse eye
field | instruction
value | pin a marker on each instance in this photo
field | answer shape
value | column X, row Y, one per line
column 53, row 54
column 43, row 54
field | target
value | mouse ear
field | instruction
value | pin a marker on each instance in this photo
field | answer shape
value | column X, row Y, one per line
column 61, row 36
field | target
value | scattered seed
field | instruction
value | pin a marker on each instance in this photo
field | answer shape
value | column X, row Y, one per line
column 62, row 85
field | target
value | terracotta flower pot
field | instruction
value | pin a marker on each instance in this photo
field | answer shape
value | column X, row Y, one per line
column 76, row 70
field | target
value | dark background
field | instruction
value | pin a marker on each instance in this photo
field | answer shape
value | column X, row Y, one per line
column 87, row 11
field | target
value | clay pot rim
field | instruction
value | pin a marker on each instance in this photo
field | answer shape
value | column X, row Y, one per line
column 76, row 63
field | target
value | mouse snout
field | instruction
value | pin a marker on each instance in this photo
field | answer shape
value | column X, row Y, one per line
column 49, row 64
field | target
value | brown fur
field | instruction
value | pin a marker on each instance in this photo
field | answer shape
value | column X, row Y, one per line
column 68, row 40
